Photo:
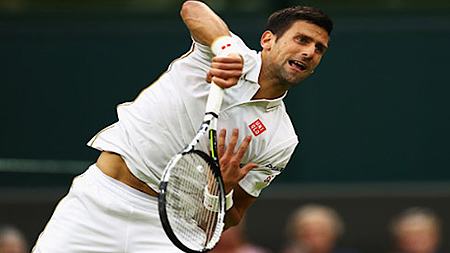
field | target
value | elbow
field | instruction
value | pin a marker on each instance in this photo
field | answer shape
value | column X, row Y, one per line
column 229, row 224
column 189, row 8
column 232, row 223
column 232, row 219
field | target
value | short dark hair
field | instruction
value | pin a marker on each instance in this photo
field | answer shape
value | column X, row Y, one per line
column 280, row 21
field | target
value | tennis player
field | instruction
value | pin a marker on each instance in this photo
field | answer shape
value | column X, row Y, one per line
column 112, row 207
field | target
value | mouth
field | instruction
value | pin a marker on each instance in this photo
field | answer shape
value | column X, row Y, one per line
column 299, row 65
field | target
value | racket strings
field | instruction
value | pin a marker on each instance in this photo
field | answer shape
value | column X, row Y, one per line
column 191, row 221
column 207, row 215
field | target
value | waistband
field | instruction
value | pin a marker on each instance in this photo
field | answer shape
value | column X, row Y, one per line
column 126, row 193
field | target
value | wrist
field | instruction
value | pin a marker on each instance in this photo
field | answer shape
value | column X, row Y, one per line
column 211, row 202
column 224, row 45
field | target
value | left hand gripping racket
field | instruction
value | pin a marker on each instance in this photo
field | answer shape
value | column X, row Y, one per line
column 187, row 222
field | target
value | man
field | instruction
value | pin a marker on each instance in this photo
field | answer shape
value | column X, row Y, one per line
column 416, row 230
column 12, row 240
column 315, row 229
column 112, row 207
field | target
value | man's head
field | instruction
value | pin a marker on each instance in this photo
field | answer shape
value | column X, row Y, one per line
column 315, row 227
column 293, row 45
column 12, row 240
column 280, row 21
column 416, row 230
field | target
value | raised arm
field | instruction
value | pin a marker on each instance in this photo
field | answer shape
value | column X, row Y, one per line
column 203, row 23
column 209, row 29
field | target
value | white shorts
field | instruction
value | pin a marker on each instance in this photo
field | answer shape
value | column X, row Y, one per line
column 101, row 214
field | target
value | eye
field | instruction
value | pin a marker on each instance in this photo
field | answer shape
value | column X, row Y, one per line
column 319, row 49
column 301, row 39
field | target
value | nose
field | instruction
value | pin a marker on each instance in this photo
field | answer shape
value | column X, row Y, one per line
column 309, row 50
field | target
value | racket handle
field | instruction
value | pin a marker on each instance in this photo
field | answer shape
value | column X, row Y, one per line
column 214, row 99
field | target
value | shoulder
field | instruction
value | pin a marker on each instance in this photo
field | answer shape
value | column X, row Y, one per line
column 280, row 121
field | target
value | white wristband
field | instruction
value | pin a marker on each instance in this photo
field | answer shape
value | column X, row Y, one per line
column 211, row 202
column 223, row 46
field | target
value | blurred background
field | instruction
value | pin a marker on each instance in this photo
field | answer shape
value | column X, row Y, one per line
column 373, row 119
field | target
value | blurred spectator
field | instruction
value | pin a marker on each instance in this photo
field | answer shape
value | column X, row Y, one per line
column 314, row 229
column 416, row 230
column 234, row 240
column 12, row 240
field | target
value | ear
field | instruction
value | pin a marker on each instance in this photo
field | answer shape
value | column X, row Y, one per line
column 267, row 40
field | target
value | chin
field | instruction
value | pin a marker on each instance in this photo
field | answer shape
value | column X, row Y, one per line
column 291, row 79
column 298, row 80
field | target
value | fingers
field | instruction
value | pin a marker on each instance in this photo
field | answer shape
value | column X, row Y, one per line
column 232, row 143
column 208, row 77
column 248, row 167
column 225, row 71
column 227, row 153
column 225, row 83
column 230, row 161
column 221, row 143
column 231, row 58
column 244, row 146
column 227, row 62
column 226, row 67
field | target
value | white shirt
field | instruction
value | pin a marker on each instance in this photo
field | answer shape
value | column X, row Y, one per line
column 166, row 115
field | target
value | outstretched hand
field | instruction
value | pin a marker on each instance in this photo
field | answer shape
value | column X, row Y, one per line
column 230, row 161
column 225, row 70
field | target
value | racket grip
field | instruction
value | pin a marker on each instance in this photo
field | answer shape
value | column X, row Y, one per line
column 214, row 101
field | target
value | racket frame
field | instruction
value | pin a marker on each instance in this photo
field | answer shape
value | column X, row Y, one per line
column 208, row 126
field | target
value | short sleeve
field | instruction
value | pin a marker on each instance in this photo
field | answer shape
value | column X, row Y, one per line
column 277, row 159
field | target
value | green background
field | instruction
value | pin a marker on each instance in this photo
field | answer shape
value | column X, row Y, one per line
column 373, row 119
column 376, row 109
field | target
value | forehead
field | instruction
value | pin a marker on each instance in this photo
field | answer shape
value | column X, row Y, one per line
column 418, row 223
column 302, row 27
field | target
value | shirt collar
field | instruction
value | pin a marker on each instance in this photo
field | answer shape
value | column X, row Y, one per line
column 252, row 67
column 271, row 104
column 252, row 75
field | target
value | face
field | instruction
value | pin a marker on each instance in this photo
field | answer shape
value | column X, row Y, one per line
column 418, row 237
column 316, row 232
column 292, row 57
column 12, row 244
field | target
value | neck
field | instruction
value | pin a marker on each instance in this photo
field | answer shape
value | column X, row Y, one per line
column 270, row 86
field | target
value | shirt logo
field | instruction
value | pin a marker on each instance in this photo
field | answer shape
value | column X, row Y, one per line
column 257, row 127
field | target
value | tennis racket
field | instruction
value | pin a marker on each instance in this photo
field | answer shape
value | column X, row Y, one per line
column 187, row 221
